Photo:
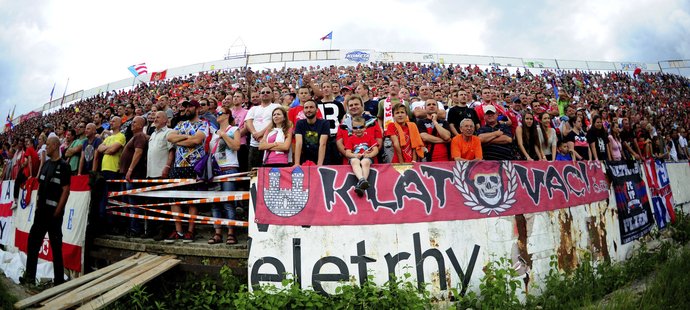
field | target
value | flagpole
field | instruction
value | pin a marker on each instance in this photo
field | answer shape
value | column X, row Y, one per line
column 51, row 93
column 64, row 93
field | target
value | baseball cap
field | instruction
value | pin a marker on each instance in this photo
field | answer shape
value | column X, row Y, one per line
column 489, row 109
column 192, row 103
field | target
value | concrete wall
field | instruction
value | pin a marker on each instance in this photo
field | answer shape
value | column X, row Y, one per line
column 530, row 240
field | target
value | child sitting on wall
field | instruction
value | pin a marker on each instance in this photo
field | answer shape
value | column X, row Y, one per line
column 360, row 148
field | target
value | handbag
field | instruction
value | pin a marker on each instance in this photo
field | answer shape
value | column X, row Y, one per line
column 204, row 168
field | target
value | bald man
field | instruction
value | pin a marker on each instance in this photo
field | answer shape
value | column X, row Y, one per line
column 88, row 148
column 53, row 191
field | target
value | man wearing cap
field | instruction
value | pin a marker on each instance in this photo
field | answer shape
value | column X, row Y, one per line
column 497, row 140
column 188, row 136
column 487, row 95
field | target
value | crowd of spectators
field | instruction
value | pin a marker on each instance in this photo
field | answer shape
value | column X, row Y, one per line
column 376, row 113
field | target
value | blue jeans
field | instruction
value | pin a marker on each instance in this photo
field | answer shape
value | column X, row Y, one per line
column 134, row 223
column 225, row 209
column 109, row 187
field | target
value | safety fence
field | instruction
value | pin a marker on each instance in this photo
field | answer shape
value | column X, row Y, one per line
column 155, row 192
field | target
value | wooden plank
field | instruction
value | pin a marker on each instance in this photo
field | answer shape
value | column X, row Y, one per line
column 24, row 303
column 97, row 280
column 144, row 259
column 113, row 295
column 76, row 298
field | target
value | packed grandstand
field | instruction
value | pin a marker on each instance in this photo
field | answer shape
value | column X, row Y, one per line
column 523, row 115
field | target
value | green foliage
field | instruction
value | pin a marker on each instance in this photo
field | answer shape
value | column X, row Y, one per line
column 680, row 228
column 582, row 287
column 497, row 289
column 395, row 294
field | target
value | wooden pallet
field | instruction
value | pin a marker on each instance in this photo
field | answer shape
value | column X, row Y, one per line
column 104, row 286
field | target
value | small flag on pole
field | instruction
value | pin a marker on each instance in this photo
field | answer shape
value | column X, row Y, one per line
column 329, row 36
column 51, row 92
column 138, row 69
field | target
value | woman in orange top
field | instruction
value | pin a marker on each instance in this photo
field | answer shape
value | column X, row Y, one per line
column 466, row 146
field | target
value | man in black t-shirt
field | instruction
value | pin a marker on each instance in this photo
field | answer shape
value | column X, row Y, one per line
column 332, row 111
column 53, row 191
column 460, row 112
column 311, row 136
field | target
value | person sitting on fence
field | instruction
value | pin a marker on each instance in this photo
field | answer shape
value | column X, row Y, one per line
column 188, row 136
column 371, row 126
column 466, row 146
column 224, row 146
column 361, row 148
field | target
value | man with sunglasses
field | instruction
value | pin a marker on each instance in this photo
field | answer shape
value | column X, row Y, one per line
column 257, row 120
column 206, row 113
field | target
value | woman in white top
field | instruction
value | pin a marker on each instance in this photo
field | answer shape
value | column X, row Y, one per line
column 224, row 145
column 547, row 137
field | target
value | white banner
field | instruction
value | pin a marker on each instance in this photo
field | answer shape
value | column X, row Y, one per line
column 6, row 219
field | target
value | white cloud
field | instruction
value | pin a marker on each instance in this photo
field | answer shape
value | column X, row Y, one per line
column 92, row 43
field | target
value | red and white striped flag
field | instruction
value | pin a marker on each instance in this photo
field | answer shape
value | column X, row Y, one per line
column 138, row 70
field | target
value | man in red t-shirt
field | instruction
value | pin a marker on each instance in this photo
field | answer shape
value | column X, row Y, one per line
column 373, row 129
column 435, row 133
column 296, row 113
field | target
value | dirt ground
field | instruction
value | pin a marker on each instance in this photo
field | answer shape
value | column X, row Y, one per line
column 15, row 290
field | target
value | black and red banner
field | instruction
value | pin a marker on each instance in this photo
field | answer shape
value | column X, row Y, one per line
column 424, row 192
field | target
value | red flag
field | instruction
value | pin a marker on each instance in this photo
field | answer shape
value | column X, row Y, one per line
column 158, row 76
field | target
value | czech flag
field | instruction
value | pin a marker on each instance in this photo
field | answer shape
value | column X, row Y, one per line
column 329, row 36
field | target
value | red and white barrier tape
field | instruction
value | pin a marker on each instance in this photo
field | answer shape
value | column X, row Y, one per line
column 242, row 176
column 151, row 188
column 192, row 218
column 235, row 197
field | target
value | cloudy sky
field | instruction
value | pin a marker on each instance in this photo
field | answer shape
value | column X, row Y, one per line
column 45, row 42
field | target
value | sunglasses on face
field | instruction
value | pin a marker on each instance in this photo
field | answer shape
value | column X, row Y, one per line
column 358, row 127
column 266, row 92
column 220, row 113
